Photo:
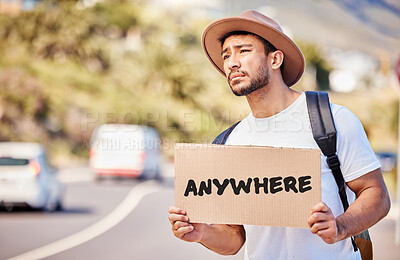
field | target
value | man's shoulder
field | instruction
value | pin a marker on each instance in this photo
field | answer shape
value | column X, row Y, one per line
column 335, row 108
column 342, row 112
column 339, row 111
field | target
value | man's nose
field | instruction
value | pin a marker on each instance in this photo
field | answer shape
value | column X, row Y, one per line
column 233, row 62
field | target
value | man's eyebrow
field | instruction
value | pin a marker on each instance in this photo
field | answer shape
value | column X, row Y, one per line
column 236, row 47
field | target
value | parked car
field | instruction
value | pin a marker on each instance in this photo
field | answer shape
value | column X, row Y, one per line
column 26, row 179
column 126, row 151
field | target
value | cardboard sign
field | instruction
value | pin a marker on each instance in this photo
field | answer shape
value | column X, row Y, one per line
column 253, row 185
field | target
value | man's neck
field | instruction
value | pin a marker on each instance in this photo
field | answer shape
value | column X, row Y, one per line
column 271, row 99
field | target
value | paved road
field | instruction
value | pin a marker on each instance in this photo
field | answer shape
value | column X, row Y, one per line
column 143, row 234
column 383, row 237
column 126, row 230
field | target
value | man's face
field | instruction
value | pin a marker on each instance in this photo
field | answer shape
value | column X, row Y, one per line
column 245, row 64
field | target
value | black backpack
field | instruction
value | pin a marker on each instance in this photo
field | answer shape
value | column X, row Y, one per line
column 324, row 133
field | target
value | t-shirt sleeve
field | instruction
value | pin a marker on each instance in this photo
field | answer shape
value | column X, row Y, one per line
column 355, row 153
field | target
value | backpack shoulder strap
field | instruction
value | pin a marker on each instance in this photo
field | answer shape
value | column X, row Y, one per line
column 221, row 138
column 321, row 119
column 324, row 133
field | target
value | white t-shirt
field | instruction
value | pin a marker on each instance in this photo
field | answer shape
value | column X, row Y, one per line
column 291, row 128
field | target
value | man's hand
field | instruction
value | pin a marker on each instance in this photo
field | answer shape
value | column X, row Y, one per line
column 323, row 223
column 220, row 238
column 182, row 229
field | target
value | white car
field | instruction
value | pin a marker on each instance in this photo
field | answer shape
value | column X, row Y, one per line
column 26, row 179
column 125, row 151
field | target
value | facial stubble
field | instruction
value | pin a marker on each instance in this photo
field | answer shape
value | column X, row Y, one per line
column 259, row 81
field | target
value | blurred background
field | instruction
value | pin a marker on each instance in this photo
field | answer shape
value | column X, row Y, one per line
column 72, row 70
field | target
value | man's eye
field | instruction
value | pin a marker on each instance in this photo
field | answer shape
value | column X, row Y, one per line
column 244, row 50
column 224, row 57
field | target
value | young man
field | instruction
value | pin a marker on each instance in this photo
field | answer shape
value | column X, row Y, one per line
column 261, row 63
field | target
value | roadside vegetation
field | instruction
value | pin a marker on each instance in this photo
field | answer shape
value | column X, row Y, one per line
column 66, row 68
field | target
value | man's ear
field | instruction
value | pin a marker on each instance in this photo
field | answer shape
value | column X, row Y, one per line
column 277, row 59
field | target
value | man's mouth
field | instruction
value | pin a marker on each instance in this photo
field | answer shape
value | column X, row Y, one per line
column 236, row 76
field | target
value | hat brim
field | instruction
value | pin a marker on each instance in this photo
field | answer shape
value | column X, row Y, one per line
column 294, row 63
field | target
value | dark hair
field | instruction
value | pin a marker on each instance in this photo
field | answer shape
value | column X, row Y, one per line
column 268, row 47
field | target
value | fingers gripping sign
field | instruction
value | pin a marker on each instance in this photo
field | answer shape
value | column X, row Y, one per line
column 182, row 228
column 322, row 222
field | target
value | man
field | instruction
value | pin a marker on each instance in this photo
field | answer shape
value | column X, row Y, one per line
column 262, row 63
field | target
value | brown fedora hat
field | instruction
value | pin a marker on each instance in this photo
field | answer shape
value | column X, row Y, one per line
column 263, row 26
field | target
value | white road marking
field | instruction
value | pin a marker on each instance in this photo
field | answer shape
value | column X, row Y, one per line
column 116, row 216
